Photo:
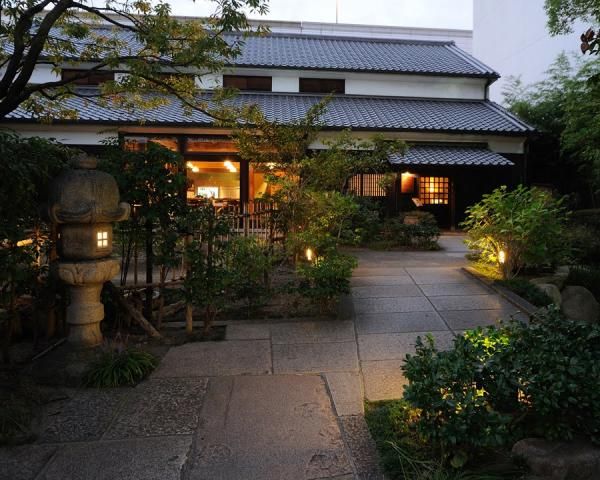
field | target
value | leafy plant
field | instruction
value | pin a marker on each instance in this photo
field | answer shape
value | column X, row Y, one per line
column 498, row 385
column 249, row 264
column 525, row 225
column 119, row 366
column 419, row 235
column 325, row 279
column 529, row 291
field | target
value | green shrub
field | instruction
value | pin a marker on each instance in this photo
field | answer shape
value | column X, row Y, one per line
column 423, row 217
column 588, row 277
column 249, row 264
column 364, row 225
column 119, row 366
column 527, row 290
column 421, row 235
column 498, row 385
column 325, row 279
column 527, row 224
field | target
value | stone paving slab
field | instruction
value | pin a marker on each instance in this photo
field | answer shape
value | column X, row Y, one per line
column 436, row 275
column 378, row 271
column 85, row 417
column 207, row 359
column 248, row 332
column 268, row 427
column 383, row 379
column 381, row 280
column 312, row 332
column 386, row 291
column 165, row 406
column 362, row 447
column 395, row 346
column 346, row 392
column 24, row 462
column 399, row 322
column 315, row 357
column 159, row 458
column 447, row 289
column 468, row 302
column 386, row 305
column 468, row 319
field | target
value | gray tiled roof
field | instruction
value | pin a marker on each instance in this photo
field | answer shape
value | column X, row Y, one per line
column 450, row 156
column 333, row 53
column 344, row 111
column 359, row 54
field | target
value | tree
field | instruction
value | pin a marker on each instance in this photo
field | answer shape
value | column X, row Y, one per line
column 142, row 40
column 564, row 107
column 562, row 14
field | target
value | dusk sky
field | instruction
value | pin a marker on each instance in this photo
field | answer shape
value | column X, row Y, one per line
column 409, row 13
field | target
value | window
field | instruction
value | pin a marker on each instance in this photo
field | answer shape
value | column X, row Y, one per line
column 102, row 238
column 434, row 190
column 247, row 83
column 219, row 180
column 139, row 144
column 367, row 185
column 322, row 85
column 94, row 78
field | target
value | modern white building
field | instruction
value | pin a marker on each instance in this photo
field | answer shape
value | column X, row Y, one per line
column 512, row 37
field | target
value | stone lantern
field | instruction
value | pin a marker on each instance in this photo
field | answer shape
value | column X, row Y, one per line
column 84, row 202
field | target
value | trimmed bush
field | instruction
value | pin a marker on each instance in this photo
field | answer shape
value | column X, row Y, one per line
column 498, row 385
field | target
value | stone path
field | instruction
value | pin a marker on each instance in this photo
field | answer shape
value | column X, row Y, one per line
column 273, row 401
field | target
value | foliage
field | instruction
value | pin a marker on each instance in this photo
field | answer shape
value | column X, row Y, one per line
column 564, row 107
column 562, row 14
column 501, row 384
column 142, row 39
column 419, row 235
column 527, row 290
column 325, row 279
column 527, row 224
column 585, row 276
column 27, row 166
column 423, row 217
column 119, row 366
column 249, row 263
column 208, row 276
column 405, row 457
column 584, row 226
column 364, row 224
column 305, row 179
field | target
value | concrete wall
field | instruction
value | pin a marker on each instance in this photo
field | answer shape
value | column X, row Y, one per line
column 511, row 36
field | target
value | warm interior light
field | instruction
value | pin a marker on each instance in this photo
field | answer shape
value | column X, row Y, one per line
column 102, row 239
column 230, row 166
column 271, row 165
column 195, row 169
column 501, row 257
column 189, row 165
column 407, row 183
column 309, row 254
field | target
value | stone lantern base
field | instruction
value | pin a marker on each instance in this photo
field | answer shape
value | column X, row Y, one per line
column 85, row 312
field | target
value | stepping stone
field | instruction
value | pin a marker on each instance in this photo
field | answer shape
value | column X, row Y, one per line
column 381, row 280
column 161, row 406
column 312, row 332
column 268, row 427
column 467, row 302
column 346, row 392
column 155, row 458
column 442, row 289
column 386, row 305
column 85, row 417
column 315, row 358
column 386, row 291
column 436, row 275
column 248, row 332
column 383, row 380
column 395, row 346
column 207, row 359
column 399, row 322
column 469, row 319
column 24, row 462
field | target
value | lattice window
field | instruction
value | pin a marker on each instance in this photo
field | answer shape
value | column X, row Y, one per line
column 434, row 190
column 367, row 185
column 102, row 238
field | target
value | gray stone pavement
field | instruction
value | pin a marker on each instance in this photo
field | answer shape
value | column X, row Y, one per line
column 272, row 401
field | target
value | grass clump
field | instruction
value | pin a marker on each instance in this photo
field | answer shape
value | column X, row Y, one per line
column 119, row 366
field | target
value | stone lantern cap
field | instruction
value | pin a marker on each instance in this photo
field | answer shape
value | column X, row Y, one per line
column 84, row 195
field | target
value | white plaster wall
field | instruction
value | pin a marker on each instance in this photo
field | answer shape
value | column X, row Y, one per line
column 415, row 86
column 43, row 74
column 286, row 84
column 511, row 36
column 208, row 81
